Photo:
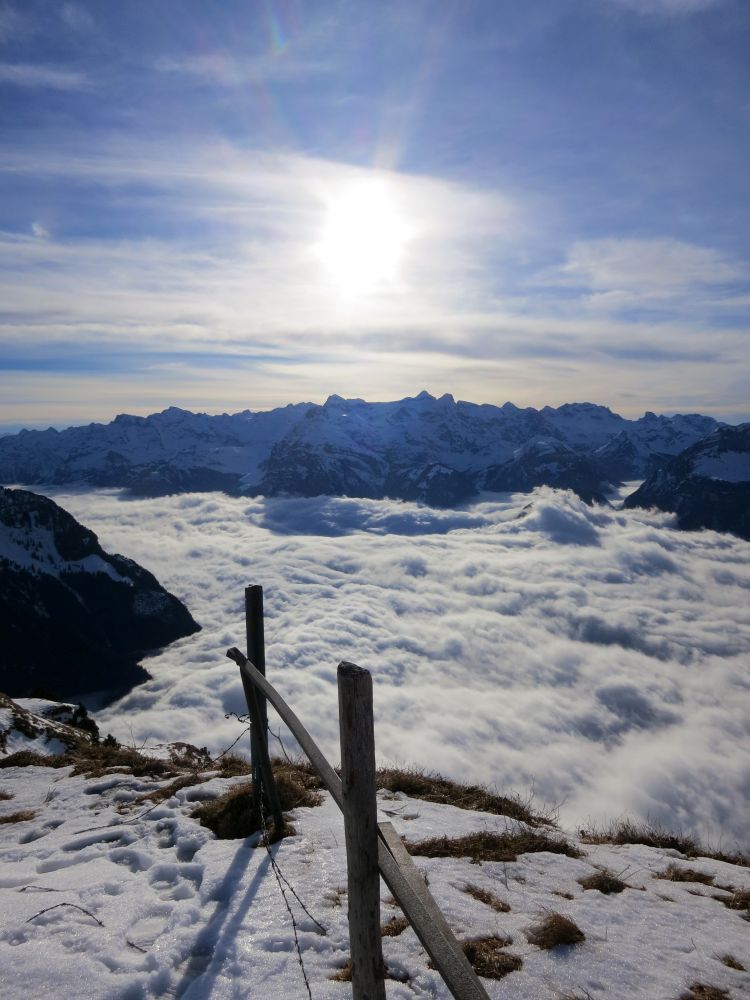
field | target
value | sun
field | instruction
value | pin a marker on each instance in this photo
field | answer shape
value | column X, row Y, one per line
column 363, row 238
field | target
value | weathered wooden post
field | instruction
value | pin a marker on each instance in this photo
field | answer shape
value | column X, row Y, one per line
column 256, row 653
column 361, row 830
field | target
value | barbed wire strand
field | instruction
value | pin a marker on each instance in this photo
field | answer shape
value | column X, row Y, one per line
column 277, row 873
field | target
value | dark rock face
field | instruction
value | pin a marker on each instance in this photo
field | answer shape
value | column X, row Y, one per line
column 707, row 485
column 74, row 619
column 550, row 463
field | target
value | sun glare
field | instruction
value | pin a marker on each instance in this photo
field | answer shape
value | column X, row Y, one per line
column 363, row 239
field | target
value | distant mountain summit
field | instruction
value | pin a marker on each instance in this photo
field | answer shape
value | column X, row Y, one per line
column 706, row 485
column 438, row 451
column 74, row 619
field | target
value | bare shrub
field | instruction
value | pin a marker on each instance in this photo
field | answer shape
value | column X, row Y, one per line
column 488, row 958
column 553, row 930
column 486, row 846
column 487, row 897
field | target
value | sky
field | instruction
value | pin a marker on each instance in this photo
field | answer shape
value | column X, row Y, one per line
column 595, row 659
column 244, row 204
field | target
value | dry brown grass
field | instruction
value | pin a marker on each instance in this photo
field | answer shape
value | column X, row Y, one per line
column 738, row 900
column 344, row 975
column 431, row 787
column 676, row 873
column 30, row 758
column 603, row 881
column 235, row 814
column 167, row 791
column 553, row 930
column 702, row 991
column 231, row 765
column 731, row 962
column 627, row 831
column 488, row 958
column 486, row 846
column 487, row 897
column 5, row 796
column 18, row 817
column 394, row 927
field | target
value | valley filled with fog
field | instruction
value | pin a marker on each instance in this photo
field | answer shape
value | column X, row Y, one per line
column 597, row 658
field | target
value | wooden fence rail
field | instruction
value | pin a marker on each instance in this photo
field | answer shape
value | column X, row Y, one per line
column 394, row 862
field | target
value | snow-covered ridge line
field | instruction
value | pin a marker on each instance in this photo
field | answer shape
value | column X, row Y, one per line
column 419, row 448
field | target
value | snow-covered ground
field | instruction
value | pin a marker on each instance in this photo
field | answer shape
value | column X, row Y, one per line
column 103, row 897
column 596, row 656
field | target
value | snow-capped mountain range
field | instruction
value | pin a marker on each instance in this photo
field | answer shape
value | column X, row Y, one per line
column 73, row 618
column 423, row 448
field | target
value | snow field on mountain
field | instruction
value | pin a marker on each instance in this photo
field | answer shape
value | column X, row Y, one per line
column 145, row 904
column 597, row 658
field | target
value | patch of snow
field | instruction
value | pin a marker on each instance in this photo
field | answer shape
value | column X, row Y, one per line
column 730, row 466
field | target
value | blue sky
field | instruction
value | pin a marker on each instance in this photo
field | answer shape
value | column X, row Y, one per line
column 244, row 204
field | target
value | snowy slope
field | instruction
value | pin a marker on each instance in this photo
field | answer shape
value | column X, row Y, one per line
column 105, row 893
column 419, row 448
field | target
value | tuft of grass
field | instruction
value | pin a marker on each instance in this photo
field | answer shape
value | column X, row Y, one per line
column 603, row 881
column 627, row 831
column 731, row 962
column 231, row 765
column 676, row 873
column 235, row 814
column 167, row 791
column 738, row 900
column 344, row 975
column 487, row 897
column 18, row 817
column 488, row 958
column 431, row 787
column 5, row 796
column 394, row 927
column 486, row 846
column 30, row 758
column 702, row 991
column 553, row 930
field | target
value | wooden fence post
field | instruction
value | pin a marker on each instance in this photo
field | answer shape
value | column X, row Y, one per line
column 361, row 830
column 256, row 653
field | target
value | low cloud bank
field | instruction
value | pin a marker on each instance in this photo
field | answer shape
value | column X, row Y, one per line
column 597, row 657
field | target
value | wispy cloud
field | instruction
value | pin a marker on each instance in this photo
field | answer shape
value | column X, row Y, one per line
column 669, row 7
column 616, row 275
column 77, row 17
column 216, row 255
column 34, row 75
column 14, row 24
column 227, row 69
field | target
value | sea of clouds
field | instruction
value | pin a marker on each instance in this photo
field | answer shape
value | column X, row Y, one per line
column 596, row 657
